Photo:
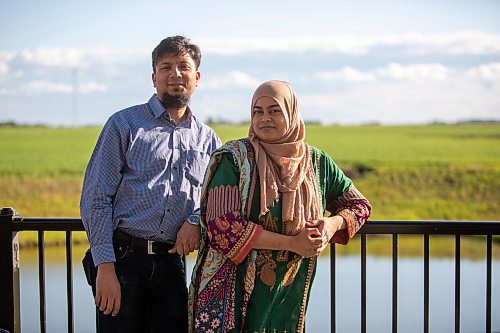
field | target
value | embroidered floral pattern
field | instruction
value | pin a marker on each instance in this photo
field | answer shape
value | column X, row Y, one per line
column 292, row 270
column 267, row 266
column 213, row 283
column 232, row 235
column 355, row 210
column 215, row 303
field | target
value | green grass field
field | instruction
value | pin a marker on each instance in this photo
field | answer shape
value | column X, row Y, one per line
column 407, row 172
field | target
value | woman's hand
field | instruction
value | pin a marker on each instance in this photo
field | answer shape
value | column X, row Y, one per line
column 307, row 243
column 327, row 227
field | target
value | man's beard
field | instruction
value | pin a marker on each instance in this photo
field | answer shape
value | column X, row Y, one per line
column 171, row 101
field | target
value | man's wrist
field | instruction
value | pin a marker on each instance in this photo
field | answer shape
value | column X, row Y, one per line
column 108, row 266
column 194, row 219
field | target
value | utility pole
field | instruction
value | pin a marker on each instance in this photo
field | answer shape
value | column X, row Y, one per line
column 75, row 95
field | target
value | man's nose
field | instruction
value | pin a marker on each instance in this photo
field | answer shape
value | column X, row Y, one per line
column 175, row 72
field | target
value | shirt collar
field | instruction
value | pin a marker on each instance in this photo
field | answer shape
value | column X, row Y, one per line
column 159, row 110
column 156, row 106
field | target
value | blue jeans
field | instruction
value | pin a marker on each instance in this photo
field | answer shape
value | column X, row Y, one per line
column 153, row 292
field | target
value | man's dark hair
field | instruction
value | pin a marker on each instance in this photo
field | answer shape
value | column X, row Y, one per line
column 176, row 45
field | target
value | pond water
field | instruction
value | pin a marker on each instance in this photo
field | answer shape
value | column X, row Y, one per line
column 379, row 297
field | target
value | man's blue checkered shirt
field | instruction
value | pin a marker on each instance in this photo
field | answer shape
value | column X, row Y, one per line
column 144, row 176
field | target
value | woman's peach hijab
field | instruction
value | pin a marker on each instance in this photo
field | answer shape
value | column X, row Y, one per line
column 285, row 165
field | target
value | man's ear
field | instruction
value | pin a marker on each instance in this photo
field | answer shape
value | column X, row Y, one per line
column 198, row 77
column 153, row 78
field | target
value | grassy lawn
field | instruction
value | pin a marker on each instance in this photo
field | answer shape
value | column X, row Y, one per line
column 407, row 172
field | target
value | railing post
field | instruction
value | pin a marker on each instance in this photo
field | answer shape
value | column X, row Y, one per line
column 9, row 272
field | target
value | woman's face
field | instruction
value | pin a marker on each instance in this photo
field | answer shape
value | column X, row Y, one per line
column 268, row 121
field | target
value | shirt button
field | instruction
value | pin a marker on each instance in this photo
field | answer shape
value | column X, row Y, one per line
column 173, row 188
column 175, row 168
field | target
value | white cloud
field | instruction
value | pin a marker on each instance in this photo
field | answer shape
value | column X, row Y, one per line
column 4, row 69
column 90, row 87
column 401, row 103
column 79, row 57
column 5, row 57
column 486, row 72
column 415, row 72
column 416, row 43
column 232, row 79
column 455, row 43
column 6, row 92
column 393, row 71
column 48, row 87
column 55, row 57
column 347, row 74
column 41, row 87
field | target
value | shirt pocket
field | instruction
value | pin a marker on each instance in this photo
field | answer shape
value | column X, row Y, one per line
column 148, row 152
column 196, row 165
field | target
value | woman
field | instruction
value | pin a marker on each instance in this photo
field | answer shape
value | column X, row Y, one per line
column 263, row 202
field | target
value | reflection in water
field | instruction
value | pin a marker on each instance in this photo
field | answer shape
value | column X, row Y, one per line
column 379, row 294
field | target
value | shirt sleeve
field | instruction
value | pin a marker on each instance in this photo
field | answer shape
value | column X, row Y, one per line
column 228, row 232
column 342, row 198
column 102, row 179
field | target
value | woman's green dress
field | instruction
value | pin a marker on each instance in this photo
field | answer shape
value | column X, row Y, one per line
column 236, row 288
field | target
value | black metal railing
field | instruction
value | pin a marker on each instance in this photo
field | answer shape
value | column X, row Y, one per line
column 425, row 228
column 10, row 225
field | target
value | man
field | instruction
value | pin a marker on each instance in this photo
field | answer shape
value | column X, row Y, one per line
column 140, row 200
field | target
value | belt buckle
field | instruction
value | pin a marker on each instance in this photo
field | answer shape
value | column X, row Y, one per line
column 150, row 247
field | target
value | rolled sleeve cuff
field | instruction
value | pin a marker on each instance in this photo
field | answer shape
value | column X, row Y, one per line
column 343, row 236
column 103, row 253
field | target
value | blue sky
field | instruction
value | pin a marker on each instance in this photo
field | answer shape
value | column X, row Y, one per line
column 351, row 62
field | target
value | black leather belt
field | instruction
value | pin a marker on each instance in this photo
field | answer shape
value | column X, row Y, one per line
column 137, row 244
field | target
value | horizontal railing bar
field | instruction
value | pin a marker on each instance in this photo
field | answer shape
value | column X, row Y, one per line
column 47, row 224
column 432, row 227
column 445, row 227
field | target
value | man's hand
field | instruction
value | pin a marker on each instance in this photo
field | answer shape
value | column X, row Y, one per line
column 108, row 292
column 188, row 239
